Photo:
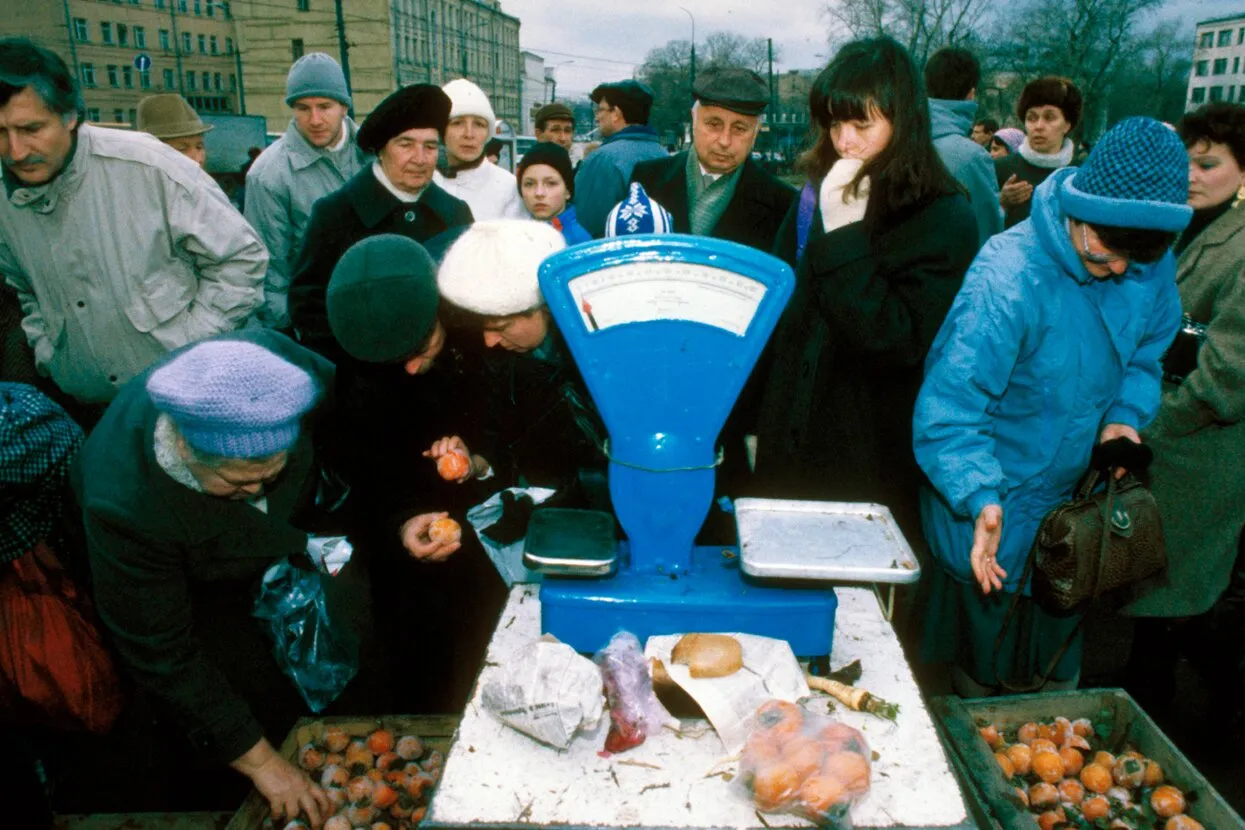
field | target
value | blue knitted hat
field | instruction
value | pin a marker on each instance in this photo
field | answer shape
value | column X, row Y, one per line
column 316, row 75
column 233, row 399
column 1136, row 177
column 638, row 214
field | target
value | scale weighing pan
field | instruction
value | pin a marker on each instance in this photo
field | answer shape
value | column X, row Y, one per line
column 568, row 542
column 823, row 540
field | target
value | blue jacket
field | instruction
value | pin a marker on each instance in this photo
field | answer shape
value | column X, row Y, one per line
column 568, row 224
column 1034, row 358
column 968, row 161
column 604, row 176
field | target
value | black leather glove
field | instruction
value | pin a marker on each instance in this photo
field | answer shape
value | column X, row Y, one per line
column 516, row 512
column 1121, row 452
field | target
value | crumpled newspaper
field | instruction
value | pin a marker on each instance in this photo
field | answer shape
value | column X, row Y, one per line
column 547, row 691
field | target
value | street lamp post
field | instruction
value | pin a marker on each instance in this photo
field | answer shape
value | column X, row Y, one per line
column 689, row 17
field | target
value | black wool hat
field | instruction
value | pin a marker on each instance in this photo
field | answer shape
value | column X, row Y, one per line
column 738, row 90
column 382, row 299
column 554, row 155
column 418, row 106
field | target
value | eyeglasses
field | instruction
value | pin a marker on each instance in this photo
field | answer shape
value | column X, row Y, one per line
column 1096, row 259
column 602, row 108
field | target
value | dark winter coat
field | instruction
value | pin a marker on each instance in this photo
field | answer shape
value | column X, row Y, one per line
column 836, row 414
column 175, row 570
column 1197, row 438
column 1017, row 165
column 363, row 208
column 755, row 211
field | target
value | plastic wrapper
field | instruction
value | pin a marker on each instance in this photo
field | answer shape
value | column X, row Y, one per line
column 547, row 691
column 805, row 764
column 329, row 553
column 320, row 661
column 507, row 557
column 635, row 711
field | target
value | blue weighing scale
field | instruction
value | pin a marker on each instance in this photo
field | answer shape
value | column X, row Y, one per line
column 665, row 330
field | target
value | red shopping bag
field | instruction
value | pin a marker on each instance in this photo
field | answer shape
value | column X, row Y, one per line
column 51, row 655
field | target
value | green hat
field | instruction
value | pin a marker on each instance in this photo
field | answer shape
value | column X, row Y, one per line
column 382, row 299
column 738, row 90
column 169, row 116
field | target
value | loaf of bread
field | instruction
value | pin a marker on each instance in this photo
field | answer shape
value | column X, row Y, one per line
column 708, row 655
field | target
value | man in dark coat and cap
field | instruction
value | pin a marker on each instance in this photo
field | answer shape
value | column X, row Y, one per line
column 715, row 188
column 406, row 395
column 395, row 194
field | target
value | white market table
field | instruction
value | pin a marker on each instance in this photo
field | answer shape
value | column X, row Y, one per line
column 497, row 777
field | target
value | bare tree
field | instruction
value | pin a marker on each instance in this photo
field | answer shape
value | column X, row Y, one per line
column 730, row 49
column 922, row 26
column 1081, row 39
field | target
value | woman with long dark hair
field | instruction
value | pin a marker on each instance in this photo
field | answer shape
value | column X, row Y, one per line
column 880, row 254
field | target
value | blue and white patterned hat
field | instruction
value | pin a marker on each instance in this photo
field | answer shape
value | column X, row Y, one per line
column 1137, row 176
column 638, row 214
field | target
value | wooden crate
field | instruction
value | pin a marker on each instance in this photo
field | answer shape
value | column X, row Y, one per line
column 436, row 732
column 993, row 801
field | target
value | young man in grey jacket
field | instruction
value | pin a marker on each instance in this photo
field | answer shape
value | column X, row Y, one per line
column 951, row 78
column 119, row 247
column 316, row 156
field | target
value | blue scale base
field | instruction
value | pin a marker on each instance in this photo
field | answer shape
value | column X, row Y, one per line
column 713, row 596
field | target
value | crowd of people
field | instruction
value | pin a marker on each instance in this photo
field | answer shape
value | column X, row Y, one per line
column 189, row 391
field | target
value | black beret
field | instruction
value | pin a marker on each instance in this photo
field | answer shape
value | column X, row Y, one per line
column 554, row 155
column 738, row 90
column 418, row 106
column 623, row 90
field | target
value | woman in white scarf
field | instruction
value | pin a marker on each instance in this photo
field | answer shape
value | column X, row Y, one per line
column 1050, row 108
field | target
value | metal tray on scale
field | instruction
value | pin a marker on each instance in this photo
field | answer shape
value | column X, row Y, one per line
column 823, row 540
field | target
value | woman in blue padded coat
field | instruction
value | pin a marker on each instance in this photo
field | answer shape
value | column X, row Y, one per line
column 1052, row 345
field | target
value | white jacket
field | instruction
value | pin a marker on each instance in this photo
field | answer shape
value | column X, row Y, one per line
column 131, row 252
column 489, row 191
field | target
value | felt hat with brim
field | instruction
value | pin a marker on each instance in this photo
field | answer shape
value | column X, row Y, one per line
column 418, row 106
column 491, row 270
column 169, row 116
column 382, row 299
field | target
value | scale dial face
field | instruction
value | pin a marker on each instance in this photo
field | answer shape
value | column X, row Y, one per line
column 642, row 292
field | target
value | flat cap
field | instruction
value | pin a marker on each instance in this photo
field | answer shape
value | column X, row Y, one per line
column 382, row 299
column 551, row 111
column 738, row 90
column 629, row 89
column 418, row 106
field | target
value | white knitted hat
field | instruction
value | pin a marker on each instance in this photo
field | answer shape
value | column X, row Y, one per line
column 492, row 268
column 468, row 99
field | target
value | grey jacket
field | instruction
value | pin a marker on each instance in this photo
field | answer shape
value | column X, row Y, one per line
column 968, row 161
column 604, row 176
column 282, row 185
column 131, row 252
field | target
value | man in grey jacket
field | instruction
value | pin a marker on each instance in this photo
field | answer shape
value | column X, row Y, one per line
column 622, row 114
column 317, row 155
column 119, row 247
column 951, row 78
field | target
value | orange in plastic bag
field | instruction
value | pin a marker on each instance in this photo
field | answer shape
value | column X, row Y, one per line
column 51, row 654
column 805, row 764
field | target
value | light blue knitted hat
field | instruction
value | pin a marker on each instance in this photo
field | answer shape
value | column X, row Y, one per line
column 233, row 399
column 316, row 75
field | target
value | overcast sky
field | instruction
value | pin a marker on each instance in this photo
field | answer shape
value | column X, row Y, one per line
column 589, row 41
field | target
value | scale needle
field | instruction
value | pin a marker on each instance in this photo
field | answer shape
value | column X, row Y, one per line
column 587, row 307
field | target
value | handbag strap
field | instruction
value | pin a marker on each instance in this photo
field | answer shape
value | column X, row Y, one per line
column 804, row 217
column 1086, row 485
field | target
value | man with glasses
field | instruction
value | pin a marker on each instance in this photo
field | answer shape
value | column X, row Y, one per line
column 621, row 113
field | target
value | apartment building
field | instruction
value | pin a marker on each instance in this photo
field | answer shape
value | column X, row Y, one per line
column 1218, row 55
column 124, row 50
column 389, row 44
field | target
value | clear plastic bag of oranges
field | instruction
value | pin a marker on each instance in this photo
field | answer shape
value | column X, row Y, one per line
column 805, row 764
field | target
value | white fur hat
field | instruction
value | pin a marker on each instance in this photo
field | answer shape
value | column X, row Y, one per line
column 492, row 268
column 468, row 99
